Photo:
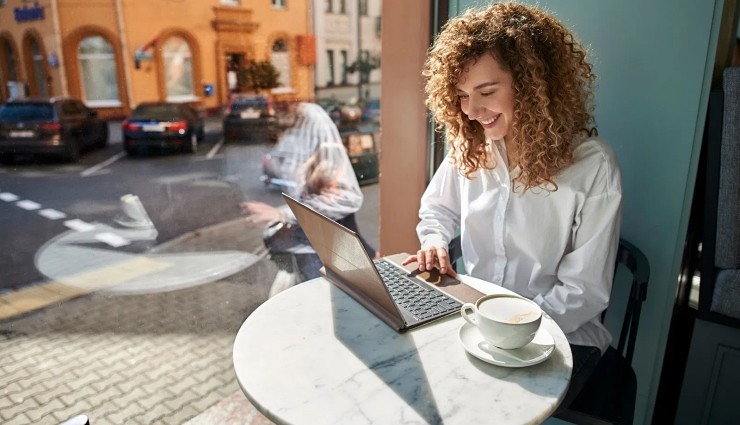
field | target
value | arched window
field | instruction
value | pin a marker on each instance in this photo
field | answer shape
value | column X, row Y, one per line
column 38, row 73
column 178, row 69
column 281, row 61
column 98, row 72
column 8, row 69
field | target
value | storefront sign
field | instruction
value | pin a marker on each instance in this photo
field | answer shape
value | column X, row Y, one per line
column 26, row 13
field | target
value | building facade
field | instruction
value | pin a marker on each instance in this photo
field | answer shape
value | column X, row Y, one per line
column 114, row 54
column 347, row 49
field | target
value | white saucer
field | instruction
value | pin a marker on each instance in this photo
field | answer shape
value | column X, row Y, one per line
column 537, row 351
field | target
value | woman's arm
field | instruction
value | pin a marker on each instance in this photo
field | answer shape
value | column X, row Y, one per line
column 585, row 274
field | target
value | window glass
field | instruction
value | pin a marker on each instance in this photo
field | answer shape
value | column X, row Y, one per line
column 281, row 61
column 98, row 71
column 10, row 60
column 39, row 68
column 26, row 111
column 178, row 69
column 130, row 264
column 330, row 67
column 344, row 66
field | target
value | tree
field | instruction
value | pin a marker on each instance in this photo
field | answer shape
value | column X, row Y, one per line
column 364, row 65
column 256, row 76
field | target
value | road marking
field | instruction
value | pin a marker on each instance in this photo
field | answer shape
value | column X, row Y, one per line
column 95, row 168
column 79, row 225
column 67, row 287
column 52, row 214
column 28, row 205
column 112, row 239
column 214, row 150
column 8, row 197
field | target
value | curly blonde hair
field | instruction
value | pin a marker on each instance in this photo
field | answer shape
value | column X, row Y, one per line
column 552, row 84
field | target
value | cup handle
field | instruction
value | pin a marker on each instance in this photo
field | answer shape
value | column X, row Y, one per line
column 469, row 318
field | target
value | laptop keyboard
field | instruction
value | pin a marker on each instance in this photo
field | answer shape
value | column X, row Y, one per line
column 422, row 302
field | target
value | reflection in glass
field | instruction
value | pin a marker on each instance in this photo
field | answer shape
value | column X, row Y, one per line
column 281, row 61
column 98, row 71
column 39, row 70
column 178, row 68
column 10, row 61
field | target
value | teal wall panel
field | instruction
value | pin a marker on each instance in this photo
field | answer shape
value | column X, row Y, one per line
column 653, row 65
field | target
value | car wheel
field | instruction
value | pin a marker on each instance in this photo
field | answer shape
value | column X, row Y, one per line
column 103, row 142
column 73, row 151
column 192, row 147
column 130, row 149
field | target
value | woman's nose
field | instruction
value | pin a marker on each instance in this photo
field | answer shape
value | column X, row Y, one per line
column 473, row 108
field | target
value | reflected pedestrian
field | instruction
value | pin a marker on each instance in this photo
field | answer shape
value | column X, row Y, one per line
column 317, row 163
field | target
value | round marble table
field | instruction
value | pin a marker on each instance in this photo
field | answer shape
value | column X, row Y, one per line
column 313, row 355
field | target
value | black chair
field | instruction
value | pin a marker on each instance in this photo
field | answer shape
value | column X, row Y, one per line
column 609, row 395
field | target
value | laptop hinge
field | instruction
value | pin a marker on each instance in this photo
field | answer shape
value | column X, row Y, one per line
column 382, row 313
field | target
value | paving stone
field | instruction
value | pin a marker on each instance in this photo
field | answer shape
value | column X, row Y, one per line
column 52, row 394
column 134, row 359
column 21, row 419
column 44, row 410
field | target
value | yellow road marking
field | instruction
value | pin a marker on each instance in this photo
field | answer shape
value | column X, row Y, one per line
column 65, row 288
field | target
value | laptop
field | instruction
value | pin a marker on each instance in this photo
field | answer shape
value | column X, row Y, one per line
column 400, row 296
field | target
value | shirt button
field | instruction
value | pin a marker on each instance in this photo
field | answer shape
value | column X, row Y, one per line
column 497, row 279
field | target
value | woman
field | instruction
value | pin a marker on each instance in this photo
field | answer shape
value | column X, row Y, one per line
column 535, row 195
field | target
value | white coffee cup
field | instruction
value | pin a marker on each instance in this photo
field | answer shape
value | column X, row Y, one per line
column 505, row 321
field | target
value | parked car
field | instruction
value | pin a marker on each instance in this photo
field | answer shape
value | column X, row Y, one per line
column 249, row 118
column 162, row 125
column 362, row 148
column 59, row 126
column 361, row 145
column 371, row 111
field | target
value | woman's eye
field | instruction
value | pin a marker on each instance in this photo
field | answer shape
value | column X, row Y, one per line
column 486, row 93
column 462, row 96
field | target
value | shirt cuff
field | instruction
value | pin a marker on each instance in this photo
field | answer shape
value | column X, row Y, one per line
column 436, row 241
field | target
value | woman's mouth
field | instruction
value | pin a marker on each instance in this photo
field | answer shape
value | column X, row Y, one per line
column 490, row 121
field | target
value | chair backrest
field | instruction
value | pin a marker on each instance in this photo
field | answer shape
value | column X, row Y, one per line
column 635, row 261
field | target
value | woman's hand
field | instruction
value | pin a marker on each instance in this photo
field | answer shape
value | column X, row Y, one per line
column 431, row 258
column 260, row 212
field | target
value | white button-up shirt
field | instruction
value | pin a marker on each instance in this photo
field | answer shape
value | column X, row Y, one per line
column 555, row 247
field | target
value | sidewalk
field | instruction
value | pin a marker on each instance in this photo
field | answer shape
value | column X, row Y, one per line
column 144, row 358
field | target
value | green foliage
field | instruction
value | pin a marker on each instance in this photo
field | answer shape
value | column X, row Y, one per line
column 364, row 65
column 256, row 76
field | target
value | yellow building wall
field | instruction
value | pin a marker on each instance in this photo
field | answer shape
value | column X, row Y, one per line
column 131, row 24
column 16, row 31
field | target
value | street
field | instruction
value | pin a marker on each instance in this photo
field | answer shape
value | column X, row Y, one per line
column 44, row 202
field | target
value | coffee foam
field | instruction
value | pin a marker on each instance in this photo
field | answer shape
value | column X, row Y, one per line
column 509, row 310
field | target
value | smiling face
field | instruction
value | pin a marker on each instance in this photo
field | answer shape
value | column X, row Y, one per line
column 486, row 94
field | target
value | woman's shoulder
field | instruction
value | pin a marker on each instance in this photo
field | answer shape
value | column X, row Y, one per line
column 595, row 149
column 595, row 164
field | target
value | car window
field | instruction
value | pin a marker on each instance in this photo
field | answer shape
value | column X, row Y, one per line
column 242, row 103
column 162, row 112
column 26, row 111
